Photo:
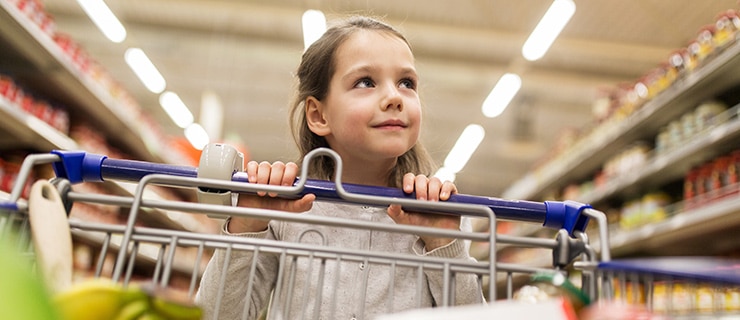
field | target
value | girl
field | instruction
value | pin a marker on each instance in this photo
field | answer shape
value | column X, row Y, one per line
column 357, row 94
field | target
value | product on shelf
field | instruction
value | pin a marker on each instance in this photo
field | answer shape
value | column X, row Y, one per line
column 705, row 42
column 53, row 114
column 618, row 103
column 9, row 169
column 626, row 161
column 726, row 28
column 689, row 125
column 704, row 299
column 707, row 112
column 650, row 208
column 712, row 180
column 94, row 78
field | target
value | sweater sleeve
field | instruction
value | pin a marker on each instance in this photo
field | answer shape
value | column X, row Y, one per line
column 468, row 289
column 225, row 283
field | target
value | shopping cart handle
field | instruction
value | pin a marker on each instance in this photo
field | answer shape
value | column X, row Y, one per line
column 80, row 166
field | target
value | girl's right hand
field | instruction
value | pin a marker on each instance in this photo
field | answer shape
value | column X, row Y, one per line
column 278, row 173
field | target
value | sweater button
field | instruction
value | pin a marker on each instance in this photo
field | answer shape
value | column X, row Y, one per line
column 362, row 266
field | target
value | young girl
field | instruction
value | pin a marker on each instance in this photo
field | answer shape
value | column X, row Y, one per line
column 357, row 94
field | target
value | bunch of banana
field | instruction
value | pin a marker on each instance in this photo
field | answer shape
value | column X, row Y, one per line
column 104, row 299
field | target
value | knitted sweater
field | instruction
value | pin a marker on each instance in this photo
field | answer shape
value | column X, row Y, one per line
column 347, row 290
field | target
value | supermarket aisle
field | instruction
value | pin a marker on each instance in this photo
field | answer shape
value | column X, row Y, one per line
column 648, row 137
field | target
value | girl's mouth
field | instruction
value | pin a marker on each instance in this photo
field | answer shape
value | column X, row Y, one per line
column 391, row 124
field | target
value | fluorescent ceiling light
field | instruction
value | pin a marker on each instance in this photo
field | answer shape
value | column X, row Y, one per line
column 501, row 95
column 176, row 109
column 145, row 70
column 314, row 26
column 211, row 114
column 445, row 174
column 544, row 34
column 197, row 136
column 104, row 19
column 463, row 149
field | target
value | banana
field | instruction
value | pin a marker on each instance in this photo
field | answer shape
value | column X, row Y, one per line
column 176, row 310
column 151, row 316
column 96, row 299
column 133, row 310
column 171, row 304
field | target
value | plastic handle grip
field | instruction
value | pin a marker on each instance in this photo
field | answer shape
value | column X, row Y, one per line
column 80, row 166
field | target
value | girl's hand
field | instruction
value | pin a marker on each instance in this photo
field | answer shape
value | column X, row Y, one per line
column 278, row 173
column 431, row 189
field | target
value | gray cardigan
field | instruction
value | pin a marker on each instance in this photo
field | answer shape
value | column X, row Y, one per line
column 338, row 298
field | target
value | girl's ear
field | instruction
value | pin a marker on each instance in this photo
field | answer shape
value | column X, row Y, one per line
column 315, row 117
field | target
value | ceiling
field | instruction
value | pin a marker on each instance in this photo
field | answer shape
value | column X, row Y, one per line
column 246, row 52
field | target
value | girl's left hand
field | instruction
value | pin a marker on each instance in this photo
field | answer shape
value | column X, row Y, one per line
column 431, row 189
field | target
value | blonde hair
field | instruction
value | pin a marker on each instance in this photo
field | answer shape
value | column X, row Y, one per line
column 314, row 74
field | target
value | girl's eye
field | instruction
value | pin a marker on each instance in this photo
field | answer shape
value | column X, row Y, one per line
column 364, row 83
column 408, row 83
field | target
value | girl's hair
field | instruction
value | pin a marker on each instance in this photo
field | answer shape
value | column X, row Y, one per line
column 314, row 74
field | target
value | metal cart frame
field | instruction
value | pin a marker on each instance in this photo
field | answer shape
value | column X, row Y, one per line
column 571, row 243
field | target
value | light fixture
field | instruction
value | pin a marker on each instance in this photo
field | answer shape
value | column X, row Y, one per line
column 463, row 149
column 176, row 109
column 145, row 70
column 314, row 26
column 211, row 114
column 501, row 95
column 104, row 19
column 544, row 34
column 445, row 174
column 197, row 136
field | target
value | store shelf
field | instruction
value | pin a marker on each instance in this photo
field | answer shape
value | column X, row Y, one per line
column 24, row 129
column 717, row 75
column 673, row 164
column 33, row 55
column 706, row 223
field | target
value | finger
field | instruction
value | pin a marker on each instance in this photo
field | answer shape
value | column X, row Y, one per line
column 291, row 172
column 252, row 171
column 276, row 175
column 434, row 188
column 303, row 204
column 408, row 182
column 263, row 175
column 448, row 189
column 394, row 211
column 421, row 182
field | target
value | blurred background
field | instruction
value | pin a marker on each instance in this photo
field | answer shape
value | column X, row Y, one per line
column 232, row 62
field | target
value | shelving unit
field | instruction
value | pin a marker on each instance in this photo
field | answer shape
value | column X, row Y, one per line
column 586, row 156
column 672, row 164
column 36, row 57
column 703, row 230
column 28, row 130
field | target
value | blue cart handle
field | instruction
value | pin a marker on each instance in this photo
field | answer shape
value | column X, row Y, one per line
column 80, row 166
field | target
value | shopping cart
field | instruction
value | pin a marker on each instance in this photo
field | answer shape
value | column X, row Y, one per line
column 128, row 241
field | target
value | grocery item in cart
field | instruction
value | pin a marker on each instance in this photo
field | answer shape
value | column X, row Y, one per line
column 51, row 236
column 23, row 294
column 103, row 299
column 549, row 286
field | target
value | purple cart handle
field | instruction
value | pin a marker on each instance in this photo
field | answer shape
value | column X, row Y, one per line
column 79, row 166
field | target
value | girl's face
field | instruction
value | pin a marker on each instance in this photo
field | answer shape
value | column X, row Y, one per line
column 372, row 110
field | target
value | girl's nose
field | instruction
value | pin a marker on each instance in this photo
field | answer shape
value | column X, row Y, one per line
column 393, row 99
